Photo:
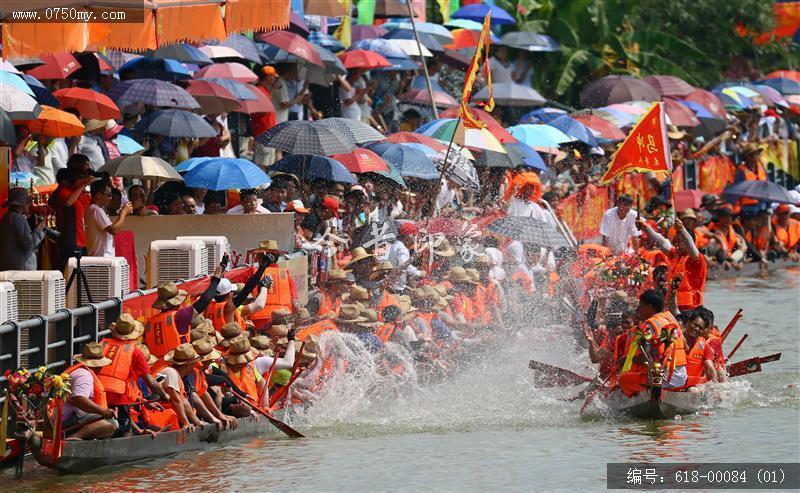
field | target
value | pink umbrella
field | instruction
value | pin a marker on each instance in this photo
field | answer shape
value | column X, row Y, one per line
column 262, row 104
column 688, row 199
column 234, row 71
column 421, row 96
column 679, row 114
column 58, row 66
column 709, row 101
column 605, row 128
column 669, row 85
column 366, row 32
column 293, row 44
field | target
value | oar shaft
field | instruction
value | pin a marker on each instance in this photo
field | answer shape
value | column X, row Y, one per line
column 731, row 324
column 736, row 348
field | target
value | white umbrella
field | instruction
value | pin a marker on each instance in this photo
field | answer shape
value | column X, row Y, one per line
column 409, row 47
column 17, row 104
column 141, row 167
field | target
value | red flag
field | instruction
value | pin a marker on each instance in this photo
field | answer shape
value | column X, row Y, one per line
column 481, row 53
column 646, row 147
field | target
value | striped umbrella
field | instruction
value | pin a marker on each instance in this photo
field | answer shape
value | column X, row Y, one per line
column 474, row 138
column 529, row 230
column 302, row 137
column 356, row 131
column 153, row 92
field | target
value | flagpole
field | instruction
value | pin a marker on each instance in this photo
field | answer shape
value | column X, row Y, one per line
column 422, row 58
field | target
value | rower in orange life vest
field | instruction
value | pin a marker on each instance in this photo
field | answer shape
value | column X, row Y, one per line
column 281, row 289
column 702, row 358
column 174, row 367
column 240, row 369
column 87, row 399
column 128, row 364
column 328, row 298
column 660, row 336
column 787, row 230
column 170, row 328
column 204, row 404
column 604, row 342
column 751, row 169
column 228, row 305
column 726, row 246
column 686, row 262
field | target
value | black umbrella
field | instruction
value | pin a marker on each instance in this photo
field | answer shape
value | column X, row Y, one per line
column 7, row 132
column 759, row 190
column 302, row 137
column 529, row 230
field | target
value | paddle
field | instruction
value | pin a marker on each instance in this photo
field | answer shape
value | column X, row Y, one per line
column 554, row 376
column 736, row 348
column 282, row 391
column 290, row 432
column 730, row 326
column 752, row 365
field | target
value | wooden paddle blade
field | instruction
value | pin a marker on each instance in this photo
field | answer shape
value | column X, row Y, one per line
column 552, row 376
column 291, row 432
column 752, row 365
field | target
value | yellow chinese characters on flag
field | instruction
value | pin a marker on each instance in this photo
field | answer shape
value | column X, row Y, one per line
column 645, row 149
column 481, row 54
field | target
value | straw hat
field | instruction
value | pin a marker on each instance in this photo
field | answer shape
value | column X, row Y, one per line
column 371, row 318
column 240, row 352
column 261, row 344
column 440, row 289
column 440, row 304
column 278, row 330
column 473, row 274
column 146, row 351
column 126, row 328
column 92, row 356
column 268, row 246
column 751, row 148
column 303, row 315
column 337, row 275
column 349, row 314
column 445, row 249
column 205, row 348
column 310, row 348
column 169, row 296
column 357, row 293
column 357, row 255
column 229, row 332
column 381, row 270
column 687, row 214
column 182, row 355
column 92, row 125
column 459, row 274
column 281, row 315
column 674, row 133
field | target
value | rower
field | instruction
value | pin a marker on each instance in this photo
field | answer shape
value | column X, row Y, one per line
column 787, row 231
column 247, row 380
column 87, row 403
column 329, row 296
column 726, row 246
column 204, row 404
column 702, row 357
column 383, row 295
column 604, row 342
column 361, row 264
column 228, row 305
column 281, row 289
column 464, row 312
column 176, row 365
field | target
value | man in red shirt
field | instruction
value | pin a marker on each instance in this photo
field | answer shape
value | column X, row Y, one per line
column 261, row 122
column 70, row 201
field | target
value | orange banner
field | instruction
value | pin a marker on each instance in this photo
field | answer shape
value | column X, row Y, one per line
column 481, row 54
column 715, row 172
column 644, row 149
column 583, row 211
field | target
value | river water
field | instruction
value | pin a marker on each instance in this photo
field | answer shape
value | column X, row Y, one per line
column 487, row 428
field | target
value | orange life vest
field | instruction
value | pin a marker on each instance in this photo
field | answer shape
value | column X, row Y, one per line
column 161, row 417
column 200, row 382
column 162, row 334
column 279, row 294
column 728, row 236
column 315, row 329
column 216, row 313
column 464, row 305
column 760, row 240
column 328, row 304
column 790, row 235
column 116, row 376
column 692, row 286
column 384, row 331
column 98, row 391
column 480, row 304
column 523, row 280
column 246, row 381
column 694, row 364
column 674, row 355
column 760, row 174
column 385, row 299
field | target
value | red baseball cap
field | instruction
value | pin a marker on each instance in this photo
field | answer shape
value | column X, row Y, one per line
column 408, row 229
column 332, row 204
column 782, row 209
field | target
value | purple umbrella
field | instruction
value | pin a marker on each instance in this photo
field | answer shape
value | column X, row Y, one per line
column 298, row 26
column 759, row 190
column 360, row 32
column 617, row 89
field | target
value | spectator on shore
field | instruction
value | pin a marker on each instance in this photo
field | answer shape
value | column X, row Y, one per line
column 21, row 235
column 100, row 229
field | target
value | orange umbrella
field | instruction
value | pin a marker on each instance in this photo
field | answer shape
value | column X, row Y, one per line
column 463, row 38
column 90, row 104
column 53, row 122
column 789, row 74
column 363, row 59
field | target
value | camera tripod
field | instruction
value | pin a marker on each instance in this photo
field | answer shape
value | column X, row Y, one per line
column 79, row 276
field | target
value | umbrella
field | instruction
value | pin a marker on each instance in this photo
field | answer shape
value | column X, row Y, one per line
column 710, row 125
column 380, row 46
column 455, row 59
column 574, row 129
column 619, row 119
column 326, row 8
column 230, row 70
column 774, row 96
column 408, row 42
column 529, row 41
column 688, row 199
column 141, row 167
column 747, row 90
column 410, row 48
column 460, row 169
column 90, row 104
column 734, row 100
column 360, row 32
column 213, row 98
column 679, row 114
column 179, row 123
column 226, row 173
column 191, row 163
column 389, row 8
column 415, row 138
column 7, row 133
column 540, row 136
column 410, row 162
column 604, row 128
column 464, row 38
column 759, row 190
column 58, row 66
column 669, row 85
column 474, row 138
column 362, row 161
column 510, row 94
column 617, row 89
column 53, row 122
column 404, row 64
column 521, row 154
column 325, row 40
column 301, row 137
column 464, row 24
column 222, row 53
column 482, row 116
column 182, row 52
column 41, row 92
column 437, row 31
column 297, row 25
column 314, row 168
column 324, row 76
column 14, row 80
column 709, row 101
column 127, row 145
column 529, row 230
column 154, row 68
column 542, row 115
column 421, row 96
column 153, row 92
column 783, row 85
column 261, row 103
column 244, row 45
column 363, row 59
column 293, row 44
column 392, row 175
column 356, row 131
column 476, row 12
column 26, row 62
column 786, row 74
column 17, row 104
column 240, row 90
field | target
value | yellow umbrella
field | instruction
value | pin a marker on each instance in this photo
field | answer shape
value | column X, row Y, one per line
column 53, row 122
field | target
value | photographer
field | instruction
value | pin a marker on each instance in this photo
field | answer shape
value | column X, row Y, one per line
column 70, row 202
column 20, row 239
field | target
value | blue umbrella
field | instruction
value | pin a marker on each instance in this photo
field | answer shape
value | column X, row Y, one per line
column 238, row 89
column 154, row 68
column 410, row 162
column 426, row 40
column 179, row 123
column 183, row 52
column 12, row 79
column 438, row 31
column 400, row 64
column 699, row 110
column 191, row 164
column 381, row 47
column 226, row 173
column 540, row 135
column 575, row 129
column 314, row 168
column 40, row 92
column 541, row 115
column 127, row 145
column 477, row 11
column 325, row 40
column 464, row 24
column 521, row 154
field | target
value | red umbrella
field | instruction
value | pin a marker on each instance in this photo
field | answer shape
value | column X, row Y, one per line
column 669, row 85
column 421, row 96
column 234, row 71
column 90, row 104
column 361, row 161
column 213, row 98
column 680, row 115
column 492, row 125
column 58, row 65
column 360, row 32
column 363, row 59
column 463, row 38
column 606, row 129
column 709, row 101
column 788, row 74
column 415, row 138
column 262, row 104
column 293, row 44
column 688, row 199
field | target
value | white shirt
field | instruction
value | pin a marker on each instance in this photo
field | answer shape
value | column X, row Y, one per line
column 619, row 231
column 172, row 379
column 280, row 94
column 101, row 243
column 398, row 255
column 353, row 110
column 240, row 210
column 91, row 149
column 522, row 208
column 264, row 363
column 501, row 73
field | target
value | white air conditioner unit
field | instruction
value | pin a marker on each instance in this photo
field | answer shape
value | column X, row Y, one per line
column 217, row 247
column 171, row 260
column 39, row 292
column 8, row 302
column 108, row 277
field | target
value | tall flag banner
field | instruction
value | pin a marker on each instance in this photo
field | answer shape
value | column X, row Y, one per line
column 481, row 54
column 645, row 149
column 343, row 32
column 366, row 12
column 444, row 9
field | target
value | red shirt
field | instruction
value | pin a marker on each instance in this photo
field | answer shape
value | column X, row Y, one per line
column 139, row 367
column 69, row 219
column 261, row 122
